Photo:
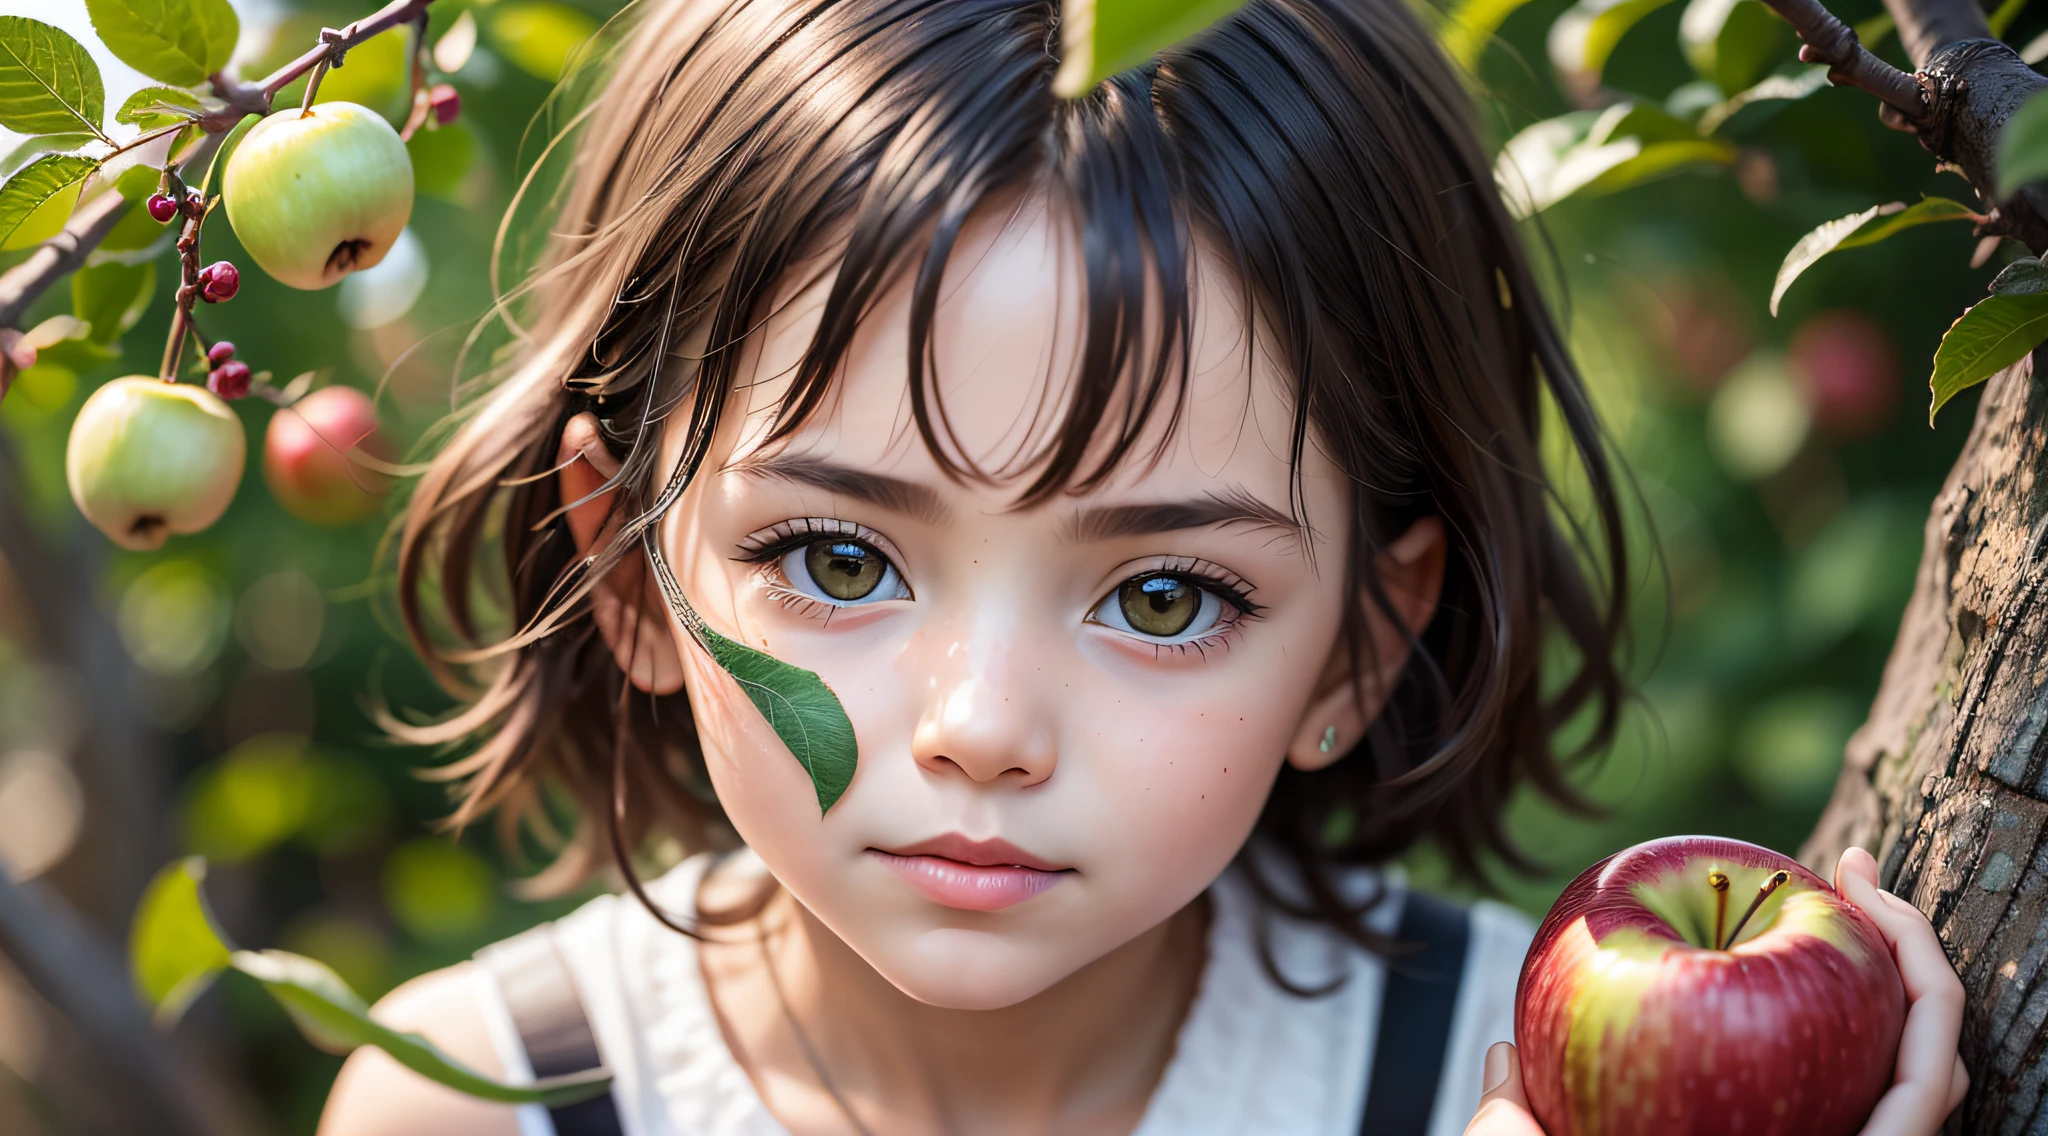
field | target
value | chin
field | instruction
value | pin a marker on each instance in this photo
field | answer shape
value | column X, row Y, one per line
column 957, row 969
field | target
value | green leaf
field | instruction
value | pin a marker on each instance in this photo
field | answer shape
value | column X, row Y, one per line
column 1099, row 38
column 179, row 42
column 1594, row 152
column 539, row 36
column 2002, row 18
column 40, row 144
column 2023, row 146
column 1470, row 26
column 2026, row 276
column 1732, row 42
column 1789, row 87
column 798, row 705
column 804, row 712
column 1865, row 228
column 175, row 948
column 38, row 199
column 226, row 149
column 152, row 107
column 48, row 82
column 1584, row 37
column 1991, row 336
column 335, row 1018
column 111, row 297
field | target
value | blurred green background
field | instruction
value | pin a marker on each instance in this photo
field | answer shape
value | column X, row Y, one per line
column 1785, row 464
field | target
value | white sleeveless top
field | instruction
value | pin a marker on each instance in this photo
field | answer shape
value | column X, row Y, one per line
column 1250, row 1057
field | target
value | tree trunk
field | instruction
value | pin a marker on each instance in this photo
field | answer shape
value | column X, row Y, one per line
column 1947, row 782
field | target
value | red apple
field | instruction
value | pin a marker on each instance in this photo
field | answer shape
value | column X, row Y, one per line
column 1695, row 986
column 313, row 457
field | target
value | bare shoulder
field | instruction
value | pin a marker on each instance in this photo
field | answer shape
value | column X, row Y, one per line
column 376, row 1096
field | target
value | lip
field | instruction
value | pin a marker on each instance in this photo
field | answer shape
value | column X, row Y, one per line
column 972, row 875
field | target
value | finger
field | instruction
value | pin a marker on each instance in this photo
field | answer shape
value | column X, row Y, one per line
column 1503, row 1109
column 1924, row 1078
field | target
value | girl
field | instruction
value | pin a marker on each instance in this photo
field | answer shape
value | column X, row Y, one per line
column 1154, row 479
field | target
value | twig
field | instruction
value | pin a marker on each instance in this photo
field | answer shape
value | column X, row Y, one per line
column 64, row 253
column 1850, row 64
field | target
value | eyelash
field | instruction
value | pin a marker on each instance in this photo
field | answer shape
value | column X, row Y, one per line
column 1226, row 585
column 766, row 548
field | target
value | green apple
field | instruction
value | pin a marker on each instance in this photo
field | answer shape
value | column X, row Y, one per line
column 149, row 458
column 317, row 195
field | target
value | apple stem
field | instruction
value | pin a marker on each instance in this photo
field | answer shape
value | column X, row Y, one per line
column 1718, row 880
column 1763, row 893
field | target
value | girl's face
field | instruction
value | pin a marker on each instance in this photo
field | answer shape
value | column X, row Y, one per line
column 1069, row 716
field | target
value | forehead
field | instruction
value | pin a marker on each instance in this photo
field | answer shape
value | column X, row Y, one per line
column 1005, row 352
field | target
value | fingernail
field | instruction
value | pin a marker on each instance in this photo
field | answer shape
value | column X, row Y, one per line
column 1497, row 1065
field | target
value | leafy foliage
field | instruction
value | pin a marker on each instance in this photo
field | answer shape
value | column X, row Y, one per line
column 48, row 82
column 177, row 949
column 158, row 106
column 1594, row 152
column 1103, row 37
column 803, row 711
column 1863, row 228
column 179, row 42
column 1991, row 336
column 36, row 200
column 2023, row 146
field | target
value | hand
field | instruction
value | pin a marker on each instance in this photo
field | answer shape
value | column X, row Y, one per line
column 1503, row 1110
column 1929, row 1081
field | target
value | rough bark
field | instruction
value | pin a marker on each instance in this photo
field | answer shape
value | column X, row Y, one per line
column 1947, row 783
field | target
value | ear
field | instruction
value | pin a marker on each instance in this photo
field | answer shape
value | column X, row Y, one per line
column 629, row 610
column 1411, row 571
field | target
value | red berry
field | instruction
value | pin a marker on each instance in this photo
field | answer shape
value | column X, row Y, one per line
column 161, row 208
column 219, row 281
column 230, row 380
column 446, row 103
column 220, row 353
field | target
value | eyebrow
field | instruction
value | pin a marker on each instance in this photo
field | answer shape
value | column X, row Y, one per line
column 1233, row 507
column 919, row 502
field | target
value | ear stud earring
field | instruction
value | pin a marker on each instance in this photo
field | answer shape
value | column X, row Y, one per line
column 1329, row 739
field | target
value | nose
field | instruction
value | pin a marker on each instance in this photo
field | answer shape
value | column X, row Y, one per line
column 981, row 719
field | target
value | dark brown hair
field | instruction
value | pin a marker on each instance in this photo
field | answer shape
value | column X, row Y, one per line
column 1323, row 149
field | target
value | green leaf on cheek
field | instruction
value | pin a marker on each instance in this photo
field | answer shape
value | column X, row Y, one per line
column 798, row 705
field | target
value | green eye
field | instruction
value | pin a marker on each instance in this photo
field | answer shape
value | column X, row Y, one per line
column 1161, row 606
column 845, row 570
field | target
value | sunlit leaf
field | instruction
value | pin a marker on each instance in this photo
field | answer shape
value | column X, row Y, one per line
column 172, row 41
column 1732, row 42
column 2002, row 17
column 1993, row 335
column 1864, row 228
column 2026, row 276
column 40, row 144
column 2023, row 146
column 38, row 199
column 48, row 81
column 1470, row 25
column 336, row 1019
column 175, row 948
column 112, row 297
column 1584, row 37
column 539, row 36
column 151, row 107
column 1099, row 38
column 1599, row 152
column 453, row 49
column 1792, row 87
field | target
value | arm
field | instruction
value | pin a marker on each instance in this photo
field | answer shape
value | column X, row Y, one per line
column 1929, row 1080
column 376, row 1096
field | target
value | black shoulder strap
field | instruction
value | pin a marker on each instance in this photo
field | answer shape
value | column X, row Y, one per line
column 546, row 1011
column 1415, row 1017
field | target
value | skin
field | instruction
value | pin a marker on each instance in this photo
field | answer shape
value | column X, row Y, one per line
column 993, row 698
column 1929, row 1080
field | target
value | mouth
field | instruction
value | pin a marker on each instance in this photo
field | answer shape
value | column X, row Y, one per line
column 971, row 875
